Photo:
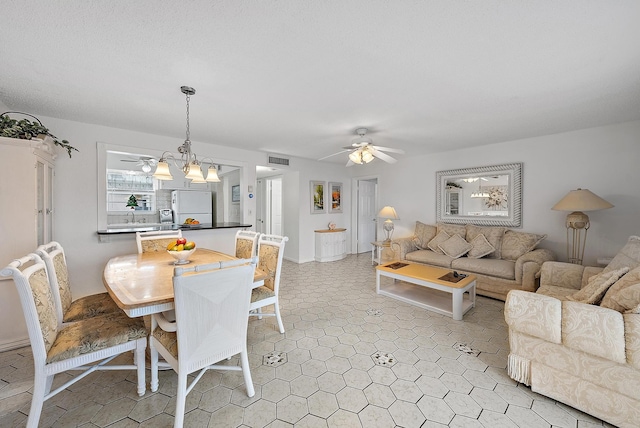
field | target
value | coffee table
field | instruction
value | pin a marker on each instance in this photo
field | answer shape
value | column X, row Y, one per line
column 421, row 285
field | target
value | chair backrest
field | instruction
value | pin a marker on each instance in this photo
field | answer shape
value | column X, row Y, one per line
column 156, row 240
column 246, row 243
column 270, row 253
column 30, row 277
column 56, row 262
column 211, row 304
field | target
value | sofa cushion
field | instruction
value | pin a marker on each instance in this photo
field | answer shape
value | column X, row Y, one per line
column 628, row 299
column 516, row 244
column 439, row 239
column 452, row 229
column 597, row 286
column 455, row 246
column 480, row 247
column 492, row 267
column 430, row 258
column 609, row 300
column 424, row 233
column 560, row 293
column 492, row 234
column 628, row 256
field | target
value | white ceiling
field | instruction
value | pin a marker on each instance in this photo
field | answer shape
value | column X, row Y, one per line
column 297, row 77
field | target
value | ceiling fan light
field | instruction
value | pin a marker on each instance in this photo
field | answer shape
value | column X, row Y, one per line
column 355, row 157
column 146, row 167
column 162, row 171
column 367, row 156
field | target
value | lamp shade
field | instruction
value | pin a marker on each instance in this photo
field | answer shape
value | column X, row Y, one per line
column 212, row 175
column 388, row 213
column 162, row 171
column 581, row 200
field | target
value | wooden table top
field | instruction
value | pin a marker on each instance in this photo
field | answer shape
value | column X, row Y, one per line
column 146, row 280
column 425, row 273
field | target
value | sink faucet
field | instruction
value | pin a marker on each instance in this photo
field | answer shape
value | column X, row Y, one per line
column 133, row 220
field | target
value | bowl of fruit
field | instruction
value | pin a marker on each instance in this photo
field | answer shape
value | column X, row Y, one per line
column 181, row 249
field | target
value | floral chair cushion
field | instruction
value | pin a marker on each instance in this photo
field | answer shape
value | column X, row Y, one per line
column 156, row 244
column 62, row 275
column 268, row 263
column 168, row 339
column 244, row 248
column 91, row 306
column 43, row 299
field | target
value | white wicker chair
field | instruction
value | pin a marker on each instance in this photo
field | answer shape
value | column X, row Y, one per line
column 270, row 253
column 156, row 240
column 246, row 243
column 70, row 310
column 211, row 325
column 58, row 347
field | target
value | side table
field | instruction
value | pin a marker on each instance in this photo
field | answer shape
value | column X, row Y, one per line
column 377, row 250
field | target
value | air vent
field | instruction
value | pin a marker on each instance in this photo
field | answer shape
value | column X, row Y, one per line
column 277, row 160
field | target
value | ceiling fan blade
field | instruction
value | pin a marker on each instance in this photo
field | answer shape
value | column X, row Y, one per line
column 343, row 151
column 350, row 163
column 383, row 156
column 388, row 149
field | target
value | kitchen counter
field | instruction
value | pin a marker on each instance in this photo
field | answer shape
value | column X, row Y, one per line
column 143, row 227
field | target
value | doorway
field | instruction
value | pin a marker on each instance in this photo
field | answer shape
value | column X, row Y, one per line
column 269, row 201
column 365, row 214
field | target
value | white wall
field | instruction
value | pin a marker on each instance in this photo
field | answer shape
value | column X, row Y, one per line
column 603, row 160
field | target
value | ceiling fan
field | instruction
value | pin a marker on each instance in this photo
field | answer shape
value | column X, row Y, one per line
column 363, row 151
column 145, row 162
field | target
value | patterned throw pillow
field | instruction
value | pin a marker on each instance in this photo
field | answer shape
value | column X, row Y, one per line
column 493, row 235
column 629, row 299
column 629, row 255
column 480, row 247
column 424, row 233
column 455, row 246
column 609, row 300
column 597, row 286
column 435, row 242
column 516, row 244
column 452, row 229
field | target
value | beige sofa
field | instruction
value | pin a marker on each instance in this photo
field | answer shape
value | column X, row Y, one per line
column 584, row 353
column 502, row 259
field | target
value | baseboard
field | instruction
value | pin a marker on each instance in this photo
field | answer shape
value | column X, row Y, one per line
column 8, row 346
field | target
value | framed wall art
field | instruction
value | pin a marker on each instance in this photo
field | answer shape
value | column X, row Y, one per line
column 317, row 197
column 335, row 197
column 235, row 193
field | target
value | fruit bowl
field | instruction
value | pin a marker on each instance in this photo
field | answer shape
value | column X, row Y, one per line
column 181, row 256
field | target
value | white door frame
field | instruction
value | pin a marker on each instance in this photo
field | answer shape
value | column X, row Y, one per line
column 354, row 208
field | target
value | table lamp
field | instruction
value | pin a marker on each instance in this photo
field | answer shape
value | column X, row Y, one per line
column 388, row 213
column 577, row 201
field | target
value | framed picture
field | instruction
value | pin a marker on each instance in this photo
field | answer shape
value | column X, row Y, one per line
column 317, row 197
column 335, row 197
column 235, row 193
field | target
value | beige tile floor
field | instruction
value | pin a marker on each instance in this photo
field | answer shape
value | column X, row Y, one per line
column 349, row 358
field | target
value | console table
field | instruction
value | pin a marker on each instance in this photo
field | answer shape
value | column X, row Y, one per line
column 331, row 244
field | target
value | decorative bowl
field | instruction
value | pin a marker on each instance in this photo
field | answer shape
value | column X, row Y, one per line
column 181, row 256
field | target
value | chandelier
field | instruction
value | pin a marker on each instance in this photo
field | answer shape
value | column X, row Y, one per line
column 362, row 155
column 188, row 160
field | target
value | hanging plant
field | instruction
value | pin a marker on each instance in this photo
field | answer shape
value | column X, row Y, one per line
column 26, row 130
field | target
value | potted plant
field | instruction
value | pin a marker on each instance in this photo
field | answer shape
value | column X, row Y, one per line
column 26, row 130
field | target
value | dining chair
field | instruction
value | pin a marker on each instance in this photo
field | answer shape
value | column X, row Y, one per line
column 86, row 345
column 270, row 253
column 246, row 243
column 67, row 309
column 156, row 240
column 211, row 303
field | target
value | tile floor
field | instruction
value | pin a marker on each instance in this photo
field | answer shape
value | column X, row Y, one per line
column 349, row 358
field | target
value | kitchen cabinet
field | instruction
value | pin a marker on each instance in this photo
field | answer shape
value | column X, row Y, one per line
column 26, row 220
column 331, row 245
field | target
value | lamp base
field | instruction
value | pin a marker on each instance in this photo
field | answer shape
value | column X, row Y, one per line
column 577, row 221
column 388, row 227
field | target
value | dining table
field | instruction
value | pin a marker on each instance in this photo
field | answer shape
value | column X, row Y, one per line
column 142, row 284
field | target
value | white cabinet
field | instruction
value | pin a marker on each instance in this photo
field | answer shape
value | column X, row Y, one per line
column 26, row 221
column 454, row 201
column 331, row 245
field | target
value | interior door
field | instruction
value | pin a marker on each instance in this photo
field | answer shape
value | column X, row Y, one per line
column 274, row 206
column 261, row 210
column 366, row 214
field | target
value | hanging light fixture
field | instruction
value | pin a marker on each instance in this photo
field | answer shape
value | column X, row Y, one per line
column 188, row 161
column 479, row 193
column 360, row 156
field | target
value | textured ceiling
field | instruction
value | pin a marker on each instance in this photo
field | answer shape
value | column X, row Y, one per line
column 297, row 77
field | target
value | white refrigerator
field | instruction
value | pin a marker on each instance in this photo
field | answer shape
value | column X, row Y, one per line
column 195, row 204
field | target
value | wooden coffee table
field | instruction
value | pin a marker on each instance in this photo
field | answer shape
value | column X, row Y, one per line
column 421, row 285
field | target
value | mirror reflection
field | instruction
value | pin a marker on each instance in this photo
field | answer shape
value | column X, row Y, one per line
column 485, row 195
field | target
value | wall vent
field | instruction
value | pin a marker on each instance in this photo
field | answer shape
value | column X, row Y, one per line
column 277, row 160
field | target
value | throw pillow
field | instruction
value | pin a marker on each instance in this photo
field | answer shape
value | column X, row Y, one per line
column 452, row 229
column 629, row 299
column 480, row 247
column 492, row 234
column 609, row 300
column 455, row 246
column 424, row 233
column 597, row 286
column 516, row 244
column 439, row 239
column 629, row 255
